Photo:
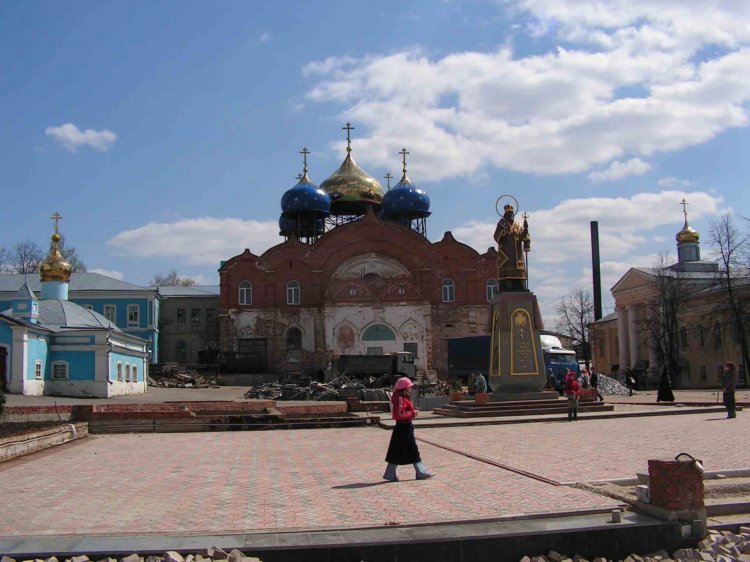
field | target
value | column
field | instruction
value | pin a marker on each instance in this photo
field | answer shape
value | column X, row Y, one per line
column 633, row 330
column 622, row 334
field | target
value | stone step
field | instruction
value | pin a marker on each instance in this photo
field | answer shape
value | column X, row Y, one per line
column 498, row 409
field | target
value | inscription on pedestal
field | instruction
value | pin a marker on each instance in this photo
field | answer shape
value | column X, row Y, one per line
column 523, row 356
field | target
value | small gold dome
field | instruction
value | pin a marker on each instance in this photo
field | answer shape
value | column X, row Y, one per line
column 54, row 267
column 351, row 189
column 687, row 235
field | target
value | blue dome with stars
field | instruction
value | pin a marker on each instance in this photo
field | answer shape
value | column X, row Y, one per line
column 306, row 197
column 406, row 200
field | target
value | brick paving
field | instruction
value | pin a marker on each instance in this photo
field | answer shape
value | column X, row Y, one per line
column 235, row 482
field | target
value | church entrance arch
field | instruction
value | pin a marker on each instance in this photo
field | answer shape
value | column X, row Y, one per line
column 379, row 339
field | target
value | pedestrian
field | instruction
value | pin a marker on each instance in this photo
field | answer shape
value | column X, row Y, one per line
column 594, row 380
column 665, row 394
column 630, row 381
column 403, row 447
column 728, row 383
column 480, row 384
column 572, row 392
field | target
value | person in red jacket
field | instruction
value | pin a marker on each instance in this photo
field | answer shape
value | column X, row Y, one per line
column 403, row 447
column 572, row 392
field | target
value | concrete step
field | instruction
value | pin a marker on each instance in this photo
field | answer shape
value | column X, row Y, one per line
column 470, row 409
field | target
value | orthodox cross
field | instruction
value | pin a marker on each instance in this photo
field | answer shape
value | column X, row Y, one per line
column 403, row 154
column 388, row 177
column 56, row 217
column 349, row 129
column 684, row 204
column 298, row 177
column 304, row 152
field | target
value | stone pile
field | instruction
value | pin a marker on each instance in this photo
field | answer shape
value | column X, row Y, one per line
column 178, row 377
column 213, row 554
column 610, row 386
column 723, row 546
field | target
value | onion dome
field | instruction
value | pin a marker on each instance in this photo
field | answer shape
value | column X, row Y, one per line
column 687, row 234
column 406, row 199
column 351, row 189
column 54, row 267
column 305, row 197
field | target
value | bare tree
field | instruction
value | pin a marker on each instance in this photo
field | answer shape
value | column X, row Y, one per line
column 672, row 291
column 4, row 256
column 575, row 315
column 172, row 279
column 71, row 256
column 25, row 257
column 730, row 247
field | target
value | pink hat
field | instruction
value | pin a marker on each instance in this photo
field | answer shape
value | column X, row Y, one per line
column 402, row 383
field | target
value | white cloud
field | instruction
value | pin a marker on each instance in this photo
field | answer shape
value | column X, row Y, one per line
column 202, row 241
column 618, row 170
column 109, row 273
column 672, row 182
column 264, row 38
column 630, row 78
column 71, row 137
column 201, row 279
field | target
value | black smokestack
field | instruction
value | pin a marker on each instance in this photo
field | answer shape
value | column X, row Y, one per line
column 596, row 270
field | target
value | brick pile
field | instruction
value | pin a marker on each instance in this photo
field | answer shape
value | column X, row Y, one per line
column 723, row 546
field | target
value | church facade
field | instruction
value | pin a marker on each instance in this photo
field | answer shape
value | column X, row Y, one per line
column 707, row 334
column 50, row 345
column 355, row 275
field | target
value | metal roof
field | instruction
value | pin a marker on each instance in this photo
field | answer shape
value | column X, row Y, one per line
column 194, row 291
column 79, row 281
column 58, row 316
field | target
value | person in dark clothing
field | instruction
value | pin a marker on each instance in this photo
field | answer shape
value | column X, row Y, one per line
column 630, row 381
column 665, row 394
column 594, row 381
column 729, row 383
column 403, row 446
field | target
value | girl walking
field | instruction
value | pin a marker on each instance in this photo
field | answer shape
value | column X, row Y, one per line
column 403, row 447
column 572, row 392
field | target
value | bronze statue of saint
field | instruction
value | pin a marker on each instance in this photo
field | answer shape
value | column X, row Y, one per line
column 513, row 241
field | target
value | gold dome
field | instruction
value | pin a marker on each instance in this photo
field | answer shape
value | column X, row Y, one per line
column 687, row 235
column 351, row 189
column 54, row 267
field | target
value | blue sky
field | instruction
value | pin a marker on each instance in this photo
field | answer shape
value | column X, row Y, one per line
column 165, row 133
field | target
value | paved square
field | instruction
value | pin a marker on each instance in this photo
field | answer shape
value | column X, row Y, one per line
column 234, row 482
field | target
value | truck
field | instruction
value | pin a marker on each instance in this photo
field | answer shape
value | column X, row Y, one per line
column 472, row 355
column 556, row 360
column 398, row 363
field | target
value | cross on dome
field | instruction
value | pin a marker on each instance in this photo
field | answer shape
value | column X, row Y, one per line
column 348, row 129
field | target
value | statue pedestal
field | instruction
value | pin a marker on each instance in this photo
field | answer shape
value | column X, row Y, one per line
column 516, row 360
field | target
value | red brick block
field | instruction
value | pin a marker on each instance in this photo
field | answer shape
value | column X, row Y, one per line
column 675, row 485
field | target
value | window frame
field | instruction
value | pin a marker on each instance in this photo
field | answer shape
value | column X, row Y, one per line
column 110, row 310
column 495, row 284
column 134, row 374
column 181, row 316
column 38, row 370
column 448, row 290
column 210, row 315
column 293, row 292
column 127, row 372
column 66, row 368
column 118, row 371
column 195, row 316
column 134, row 315
column 245, row 293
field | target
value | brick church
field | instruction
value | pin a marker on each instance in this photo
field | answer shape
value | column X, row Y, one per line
column 355, row 274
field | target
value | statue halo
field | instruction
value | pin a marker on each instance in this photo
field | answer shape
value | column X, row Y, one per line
column 498, row 203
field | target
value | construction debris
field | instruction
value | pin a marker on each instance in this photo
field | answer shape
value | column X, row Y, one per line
column 610, row 386
column 176, row 376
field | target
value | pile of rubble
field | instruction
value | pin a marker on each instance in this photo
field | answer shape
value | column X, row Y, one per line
column 608, row 385
column 214, row 554
column 175, row 376
column 723, row 546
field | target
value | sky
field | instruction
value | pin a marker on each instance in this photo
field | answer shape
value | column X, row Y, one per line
column 166, row 132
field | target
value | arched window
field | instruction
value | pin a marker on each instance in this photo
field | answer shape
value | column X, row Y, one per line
column 378, row 332
column 702, row 336
column 246, row 292
column 292, row 292
column 181, row 352
column 683, row 338
column 293, row 339
column 449, row 290
column 717, row 335
column 493, row 288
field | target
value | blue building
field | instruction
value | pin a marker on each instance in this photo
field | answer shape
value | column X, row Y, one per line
column 51, row 345
column 133, row 309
